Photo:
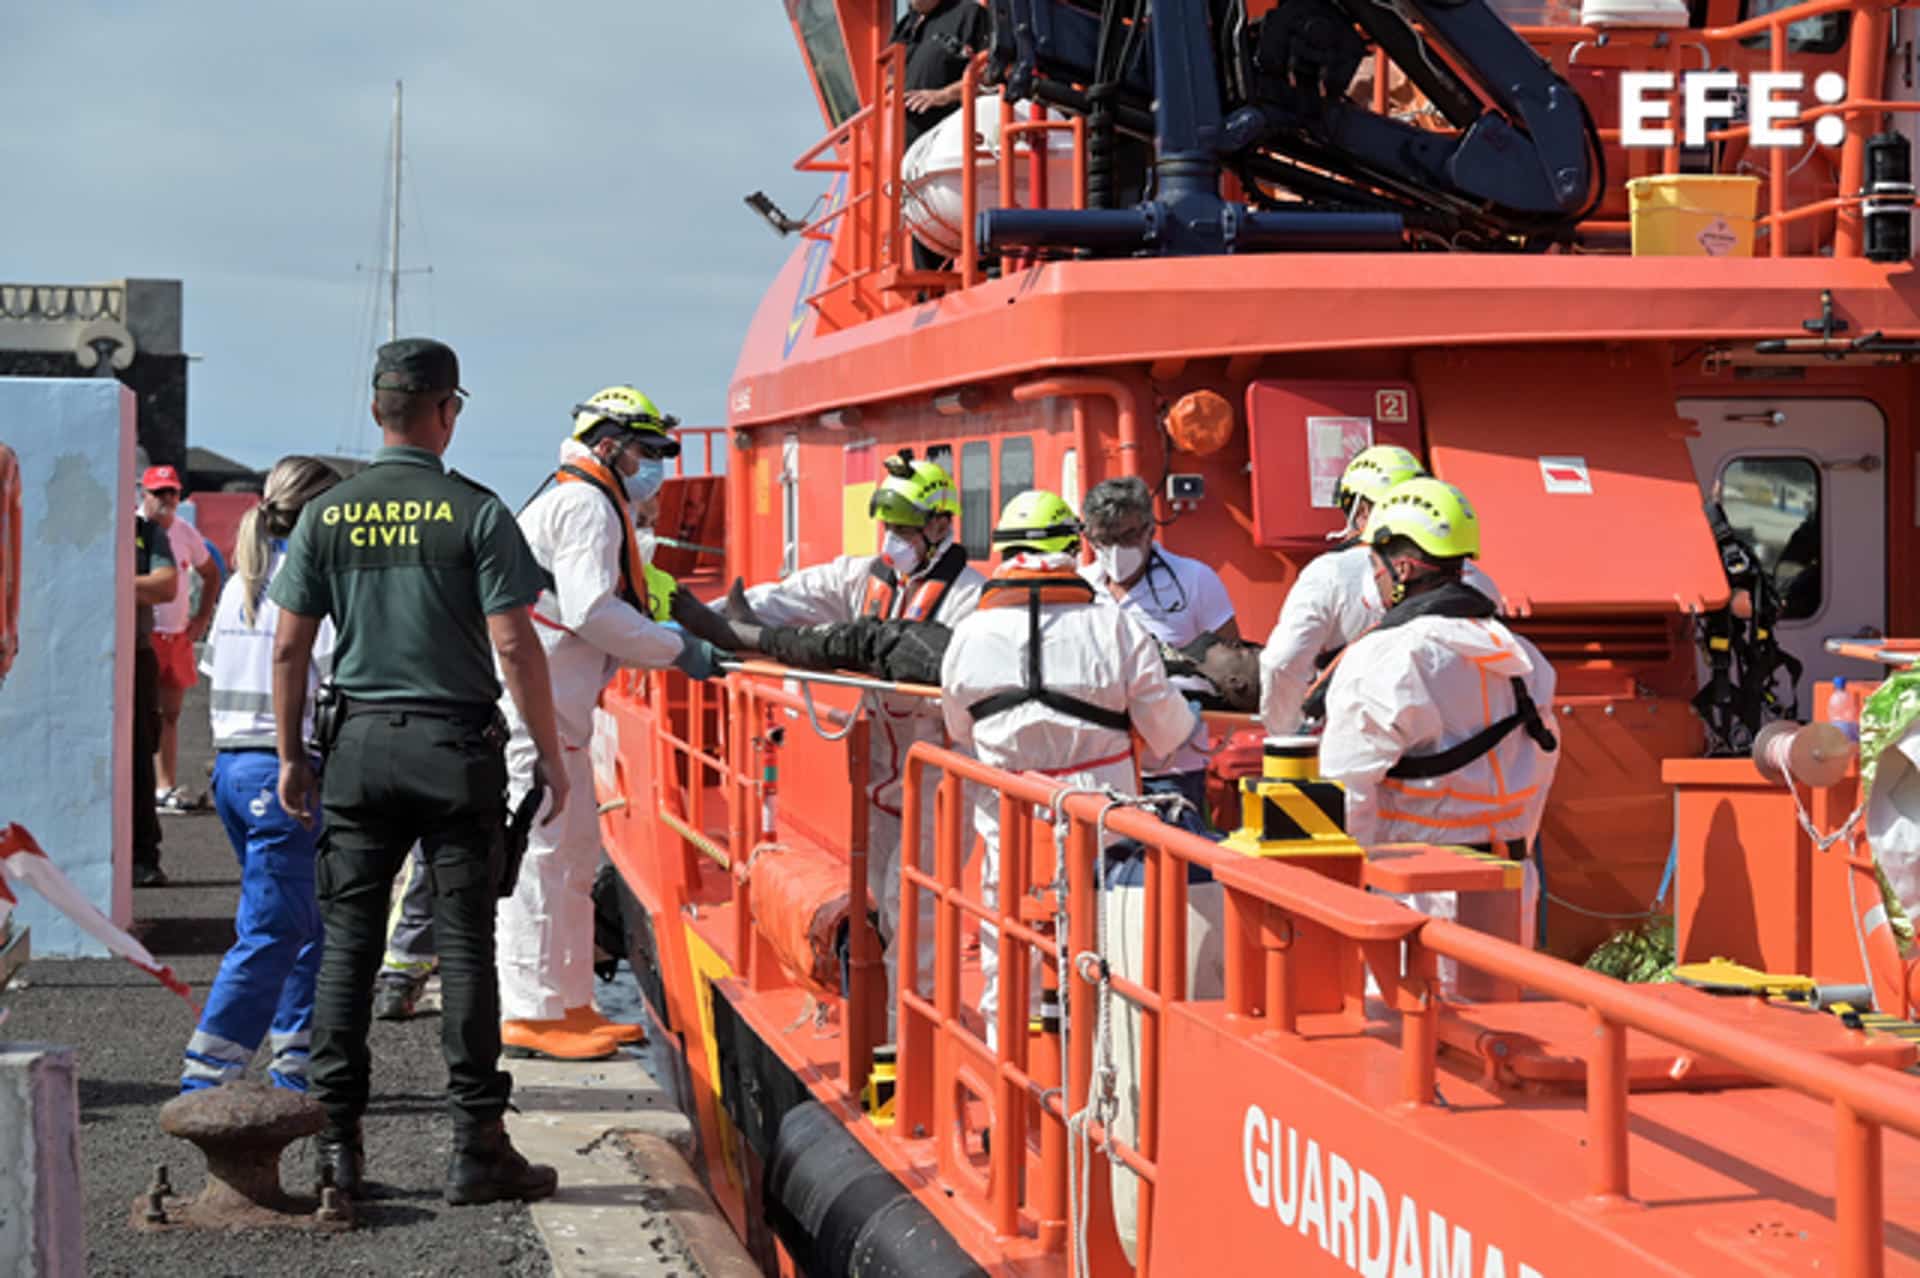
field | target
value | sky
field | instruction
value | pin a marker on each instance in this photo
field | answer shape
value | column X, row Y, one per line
column 573, row 178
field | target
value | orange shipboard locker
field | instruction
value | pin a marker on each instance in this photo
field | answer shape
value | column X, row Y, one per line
column 1300, row 436
column 1578, row 468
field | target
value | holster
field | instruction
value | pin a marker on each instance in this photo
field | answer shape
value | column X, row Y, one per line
column 329, row 712
column 514, row 835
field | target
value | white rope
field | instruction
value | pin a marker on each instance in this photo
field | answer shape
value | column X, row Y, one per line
column 1092, row 966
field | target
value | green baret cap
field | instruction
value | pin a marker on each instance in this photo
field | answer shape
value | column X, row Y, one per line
column 417, row 364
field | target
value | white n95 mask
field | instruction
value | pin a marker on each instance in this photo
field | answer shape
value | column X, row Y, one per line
column 1120, row 562
column 900, row 552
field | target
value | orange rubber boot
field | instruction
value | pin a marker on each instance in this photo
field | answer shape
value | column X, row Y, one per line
column 554, row 1040
column 587, row 1020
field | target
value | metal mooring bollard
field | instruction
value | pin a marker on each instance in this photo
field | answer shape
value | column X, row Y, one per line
column 241, row 1128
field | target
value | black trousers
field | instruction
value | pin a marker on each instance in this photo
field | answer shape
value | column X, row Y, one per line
column 146, row 740
column 395, row 777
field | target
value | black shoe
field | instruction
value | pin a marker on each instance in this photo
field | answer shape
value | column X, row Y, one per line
column 339, row 1156
column 149, row 876
column 486, row 1168
column 394, row 997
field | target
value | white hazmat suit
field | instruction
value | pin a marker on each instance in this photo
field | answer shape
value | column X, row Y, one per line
column 1099, row 653
column 1421, row 688
column 544, row 931
column 1334, row 601
column 838, row 591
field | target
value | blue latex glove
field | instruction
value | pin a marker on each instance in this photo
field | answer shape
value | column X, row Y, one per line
column 698, row 659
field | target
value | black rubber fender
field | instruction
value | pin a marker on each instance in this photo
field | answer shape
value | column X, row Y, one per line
column 840, row 1214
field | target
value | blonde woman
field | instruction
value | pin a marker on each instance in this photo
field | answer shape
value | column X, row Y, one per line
column 265, row 985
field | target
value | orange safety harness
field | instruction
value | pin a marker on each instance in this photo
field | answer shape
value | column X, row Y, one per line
column 928, row 593
column 633, row 569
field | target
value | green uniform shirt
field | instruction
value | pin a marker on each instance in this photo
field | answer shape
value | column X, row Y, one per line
column 409, row 560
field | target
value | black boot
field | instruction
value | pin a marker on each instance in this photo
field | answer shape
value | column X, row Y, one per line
column 486, row 1168
column 337, row 1155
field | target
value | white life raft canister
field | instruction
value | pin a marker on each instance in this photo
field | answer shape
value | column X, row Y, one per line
column 930, row 196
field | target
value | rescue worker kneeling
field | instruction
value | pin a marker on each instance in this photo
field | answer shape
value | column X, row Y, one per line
column 1436, row 718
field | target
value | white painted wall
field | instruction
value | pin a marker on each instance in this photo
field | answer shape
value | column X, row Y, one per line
column 66, row 711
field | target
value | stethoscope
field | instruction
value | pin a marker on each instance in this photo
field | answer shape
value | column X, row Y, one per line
column 1146, row 579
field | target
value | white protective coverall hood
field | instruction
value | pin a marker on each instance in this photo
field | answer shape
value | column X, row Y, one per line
column 1334, row 601
column 1420, row 688
column 545, row 929
column 834, row 592
column 1097, row 652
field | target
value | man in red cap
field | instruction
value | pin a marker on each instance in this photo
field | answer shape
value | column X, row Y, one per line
column 174, row 630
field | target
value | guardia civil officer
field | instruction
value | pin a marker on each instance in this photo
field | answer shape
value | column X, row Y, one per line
column 419, row 570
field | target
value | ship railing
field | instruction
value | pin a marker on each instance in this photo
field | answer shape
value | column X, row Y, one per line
column 718, row 748
column 873, row 263
column 948, row 1075
column 1730, row 47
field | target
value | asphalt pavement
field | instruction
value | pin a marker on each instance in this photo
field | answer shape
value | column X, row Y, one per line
column 128, row 1032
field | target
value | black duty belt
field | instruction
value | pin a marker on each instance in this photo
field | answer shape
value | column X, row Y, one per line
column 474, row 712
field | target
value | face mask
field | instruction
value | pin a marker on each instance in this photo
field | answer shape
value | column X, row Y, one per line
column 645, row 482
column 901, row 552
column 1120, row 562
column 644, row 541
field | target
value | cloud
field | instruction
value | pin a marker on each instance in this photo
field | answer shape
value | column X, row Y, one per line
column 573, row 179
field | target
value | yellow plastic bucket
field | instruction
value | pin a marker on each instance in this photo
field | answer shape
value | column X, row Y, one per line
column 1693, row 215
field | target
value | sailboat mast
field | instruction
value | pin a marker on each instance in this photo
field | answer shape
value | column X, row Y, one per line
column 393, row 267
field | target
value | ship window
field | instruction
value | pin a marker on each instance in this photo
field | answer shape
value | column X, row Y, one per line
column 976, row 499
column 827, row 54
column 1826, row 33
column 1016, row 468
column 1774, row 502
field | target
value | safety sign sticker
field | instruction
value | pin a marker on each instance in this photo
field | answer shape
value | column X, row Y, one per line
column 1390, row 405
column 1332, row 442
column 1565, row 475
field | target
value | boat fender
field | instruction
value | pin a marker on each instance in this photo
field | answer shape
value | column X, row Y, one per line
column 801, row 902
column 839, row 1212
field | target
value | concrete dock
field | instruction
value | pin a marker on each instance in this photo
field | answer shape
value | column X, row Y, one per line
column 627, row 1204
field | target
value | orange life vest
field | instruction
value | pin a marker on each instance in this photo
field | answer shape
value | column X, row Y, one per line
column 633, row 569
column 883, row 596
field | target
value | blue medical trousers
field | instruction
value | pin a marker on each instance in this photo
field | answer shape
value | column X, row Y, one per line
column 265, row 985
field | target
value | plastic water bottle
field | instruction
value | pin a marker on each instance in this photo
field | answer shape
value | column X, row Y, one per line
column 1840, row 711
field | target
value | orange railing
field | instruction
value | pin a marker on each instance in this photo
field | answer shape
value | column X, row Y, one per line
column 716, row 749
column 715, row 761
column 872, row 262
column 942, row 1060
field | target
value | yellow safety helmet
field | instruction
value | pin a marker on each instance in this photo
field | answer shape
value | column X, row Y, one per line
column 1429, row 512
column 1037, row 520
column 626, row 406
column 1373, row 471
column 913, row 492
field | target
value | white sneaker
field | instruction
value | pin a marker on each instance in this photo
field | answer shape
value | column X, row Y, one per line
column 173, row 801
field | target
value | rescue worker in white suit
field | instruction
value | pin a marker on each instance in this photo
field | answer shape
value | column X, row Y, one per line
column 1334, row 600
column 1051, row 675
column 1436, row 719
column 920, row 574
column 597, row 615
